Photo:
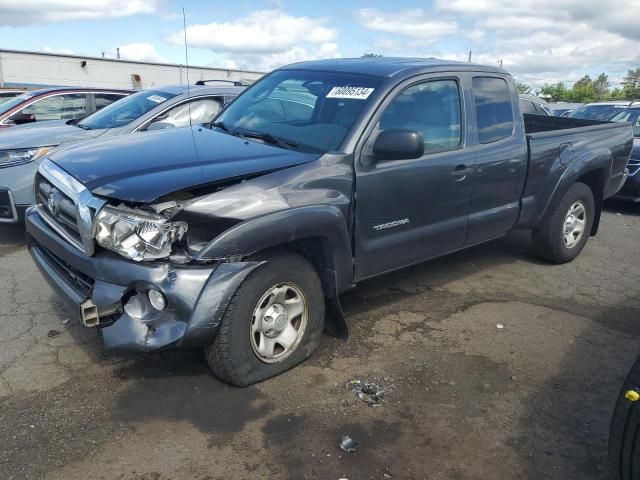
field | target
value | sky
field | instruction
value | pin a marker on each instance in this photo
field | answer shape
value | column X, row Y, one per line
column 542, row 41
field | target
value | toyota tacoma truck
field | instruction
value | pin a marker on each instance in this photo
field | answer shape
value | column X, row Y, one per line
column 239, row 235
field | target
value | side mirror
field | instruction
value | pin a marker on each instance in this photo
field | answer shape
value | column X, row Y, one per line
column 22, row 118
column 398, row 144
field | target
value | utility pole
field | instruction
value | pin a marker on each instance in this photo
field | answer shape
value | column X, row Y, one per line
column 500, row 63
column 469, row 56
column 118, row 53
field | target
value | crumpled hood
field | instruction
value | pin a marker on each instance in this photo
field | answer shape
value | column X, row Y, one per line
column 46, row 134
column 143, row 167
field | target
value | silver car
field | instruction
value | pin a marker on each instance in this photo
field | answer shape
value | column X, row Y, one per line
column 22, row 147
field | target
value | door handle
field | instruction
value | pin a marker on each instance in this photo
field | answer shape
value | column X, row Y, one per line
column 461, row 171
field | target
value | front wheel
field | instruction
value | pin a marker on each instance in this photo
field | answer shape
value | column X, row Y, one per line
column 273, row 322
column 566, row 229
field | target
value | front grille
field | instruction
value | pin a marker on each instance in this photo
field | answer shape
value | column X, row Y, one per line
column 634, row 166
column 57, row 209
column 81, row 282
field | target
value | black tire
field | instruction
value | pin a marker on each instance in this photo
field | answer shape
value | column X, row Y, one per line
column 231, row 356
column 624, row 436
column 548, row 240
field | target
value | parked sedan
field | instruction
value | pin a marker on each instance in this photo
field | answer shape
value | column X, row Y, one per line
column 631, row 188
column 169, row 107
column 598, row 111
column 535, row 105
column 6, row 94
column 56, row 104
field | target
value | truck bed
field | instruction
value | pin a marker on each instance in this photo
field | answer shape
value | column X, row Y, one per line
column 557, row 145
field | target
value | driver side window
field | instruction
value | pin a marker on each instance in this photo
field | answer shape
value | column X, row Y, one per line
column 431, row 108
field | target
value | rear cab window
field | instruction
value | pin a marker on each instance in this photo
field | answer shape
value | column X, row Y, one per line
column 494, row 111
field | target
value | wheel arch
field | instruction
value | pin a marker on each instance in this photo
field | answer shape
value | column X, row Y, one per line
column 318, row 233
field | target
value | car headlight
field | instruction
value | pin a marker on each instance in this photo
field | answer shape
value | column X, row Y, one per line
column 136, row 236
column 11, row 158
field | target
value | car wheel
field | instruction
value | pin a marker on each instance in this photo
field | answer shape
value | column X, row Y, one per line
column 566, row 229
column 624, row 436
column 274, row 321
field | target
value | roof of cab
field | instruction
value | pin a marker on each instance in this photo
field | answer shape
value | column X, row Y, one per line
column 389, row 66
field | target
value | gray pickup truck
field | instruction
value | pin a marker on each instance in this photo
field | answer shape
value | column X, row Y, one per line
column 239, row 235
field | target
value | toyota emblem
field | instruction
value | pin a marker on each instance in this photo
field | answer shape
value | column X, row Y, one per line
column 52, row 204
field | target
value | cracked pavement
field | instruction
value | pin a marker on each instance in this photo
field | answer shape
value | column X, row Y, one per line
column 468, row 400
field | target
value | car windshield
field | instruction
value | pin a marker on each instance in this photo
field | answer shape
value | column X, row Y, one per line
column 594, row 112
column 629, row 115
column 125, row 111
column 306, row 110
column 8, row 105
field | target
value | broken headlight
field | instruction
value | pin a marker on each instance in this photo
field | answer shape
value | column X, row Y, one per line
column 136, row 236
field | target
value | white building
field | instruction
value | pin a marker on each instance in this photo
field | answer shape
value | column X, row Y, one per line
column 36, row 70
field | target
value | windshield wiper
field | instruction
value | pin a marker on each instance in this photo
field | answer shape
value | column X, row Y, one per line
column 219, row 125
column 267, row 137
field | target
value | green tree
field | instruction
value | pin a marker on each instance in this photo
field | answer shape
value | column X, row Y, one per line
column 557, row 91
column 583, row 91
column 371, row 55
column 601, row 86
column 523, row 88
column 631, row 84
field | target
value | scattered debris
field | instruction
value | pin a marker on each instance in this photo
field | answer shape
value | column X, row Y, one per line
column 371, row 391
column 348, row 444
column 499, row 326
column 53, row 333
column 65, row 321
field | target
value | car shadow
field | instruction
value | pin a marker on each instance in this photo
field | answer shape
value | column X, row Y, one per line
column 563, row 431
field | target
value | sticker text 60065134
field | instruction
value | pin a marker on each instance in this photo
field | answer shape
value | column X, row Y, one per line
column 359, row 93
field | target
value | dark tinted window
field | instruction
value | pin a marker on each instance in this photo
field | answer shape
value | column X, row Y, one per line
column 494, row 114
column 595, row 112
column 104, row 99
column 527, row 107
column 431, row 108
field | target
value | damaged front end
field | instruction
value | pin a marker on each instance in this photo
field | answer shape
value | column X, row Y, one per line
column 139, row 281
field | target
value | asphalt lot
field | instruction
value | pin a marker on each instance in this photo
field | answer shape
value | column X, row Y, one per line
column 465, row 399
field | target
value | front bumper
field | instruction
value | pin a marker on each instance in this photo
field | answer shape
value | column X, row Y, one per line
column 631, row 188
column 16, row 191
column 197, row 296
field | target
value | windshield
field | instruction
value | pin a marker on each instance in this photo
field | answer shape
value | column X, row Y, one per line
column 125, row 111
column 310, row 110
column 595, row 112
column 629, row 115
column 8, row 105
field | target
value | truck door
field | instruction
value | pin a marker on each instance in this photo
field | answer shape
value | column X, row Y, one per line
column 410, row 210
column 501, row 159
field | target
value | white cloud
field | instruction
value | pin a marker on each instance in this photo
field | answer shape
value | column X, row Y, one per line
column 64, row 51
column 541, row 40
column 412, row 23
column 139, row 52
column 264, row 39
column 24, row 12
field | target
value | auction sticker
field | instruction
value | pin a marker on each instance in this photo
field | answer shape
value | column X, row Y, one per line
column 358, row 93
column 156, row 98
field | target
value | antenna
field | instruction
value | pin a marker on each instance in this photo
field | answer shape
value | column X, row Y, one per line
column 186, row 60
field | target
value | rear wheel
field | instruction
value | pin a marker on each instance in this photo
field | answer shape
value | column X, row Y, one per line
column 624, row 437
column 273, row 322
column 566, row 229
